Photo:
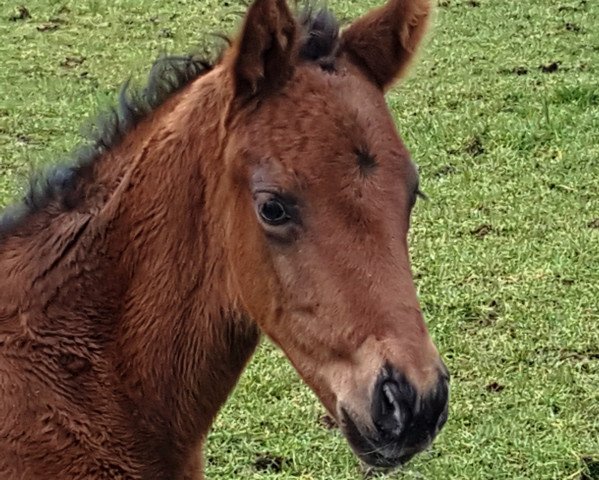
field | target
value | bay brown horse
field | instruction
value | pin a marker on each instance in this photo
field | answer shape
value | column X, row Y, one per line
column 268, row 192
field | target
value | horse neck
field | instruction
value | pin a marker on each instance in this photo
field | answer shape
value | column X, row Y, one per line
column 181, row 339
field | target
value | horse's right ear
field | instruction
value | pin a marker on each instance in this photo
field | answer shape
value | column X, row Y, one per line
column 263, row 55
column 383, row 42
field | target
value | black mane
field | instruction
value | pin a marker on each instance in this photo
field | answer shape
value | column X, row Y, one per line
column 320, row 36
column 167, row 75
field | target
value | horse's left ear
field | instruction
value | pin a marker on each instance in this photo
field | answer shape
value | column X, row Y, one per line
column 383, row 42
column 264, row 53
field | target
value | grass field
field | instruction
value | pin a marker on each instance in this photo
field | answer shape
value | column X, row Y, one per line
column 502, row 115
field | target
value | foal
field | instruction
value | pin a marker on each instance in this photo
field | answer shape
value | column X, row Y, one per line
column 269, row 192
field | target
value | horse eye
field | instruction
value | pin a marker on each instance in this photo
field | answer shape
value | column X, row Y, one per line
column 273, row 212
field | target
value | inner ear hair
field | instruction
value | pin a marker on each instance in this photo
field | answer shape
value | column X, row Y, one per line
column 264, row 54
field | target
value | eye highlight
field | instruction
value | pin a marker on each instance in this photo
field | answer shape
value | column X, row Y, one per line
column 278, row 214
column 273, row 212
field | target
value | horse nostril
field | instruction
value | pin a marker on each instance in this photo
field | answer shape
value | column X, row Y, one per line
column 391, row 396
column 404, row 421
column 392, row 407
column 403, row 416
column 391, row 419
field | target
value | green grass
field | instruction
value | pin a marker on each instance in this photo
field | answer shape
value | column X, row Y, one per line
column 506, row 252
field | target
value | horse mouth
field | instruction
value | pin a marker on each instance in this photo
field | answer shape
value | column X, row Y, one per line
column 370, row 448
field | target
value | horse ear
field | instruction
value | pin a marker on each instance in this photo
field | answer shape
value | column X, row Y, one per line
column 383, row 42
column 264, row 53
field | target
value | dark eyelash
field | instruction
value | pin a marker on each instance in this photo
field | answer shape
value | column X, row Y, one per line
column 420, row 194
